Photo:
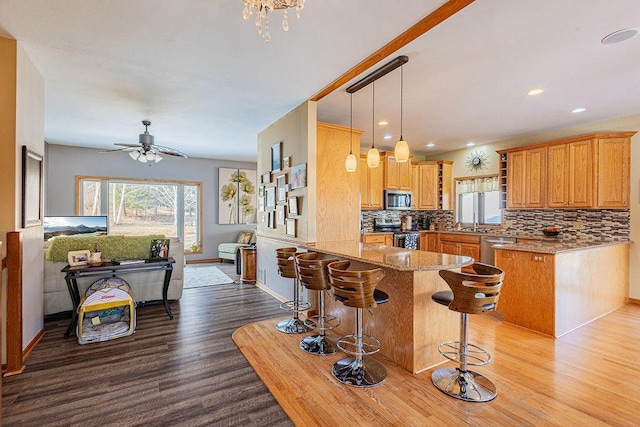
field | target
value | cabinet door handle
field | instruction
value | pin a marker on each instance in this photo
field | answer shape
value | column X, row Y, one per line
column 537, row 258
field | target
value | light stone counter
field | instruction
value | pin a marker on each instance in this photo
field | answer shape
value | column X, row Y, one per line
column 391, row 257
column 551, row 246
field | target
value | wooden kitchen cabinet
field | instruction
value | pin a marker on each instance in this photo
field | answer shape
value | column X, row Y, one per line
column 370, row 185
column 613, row 171
column 397, row 175
column 460, row 244
column 427, row 185
column 526, row 178
column 429, row 241
column 570, row 175
column 379, row 238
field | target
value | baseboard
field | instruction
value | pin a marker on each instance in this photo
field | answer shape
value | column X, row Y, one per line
column 203, row 261
column 634, row 301
column 25, row 353
column 271, row 292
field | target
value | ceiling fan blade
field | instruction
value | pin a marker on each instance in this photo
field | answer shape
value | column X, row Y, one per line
column 169, row 151
column 116, row 150
column 127, row 145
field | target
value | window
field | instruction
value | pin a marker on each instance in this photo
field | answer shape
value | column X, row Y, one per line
column 478, row 201
column 133, row 207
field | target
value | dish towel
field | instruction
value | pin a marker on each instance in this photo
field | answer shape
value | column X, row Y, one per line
column 411, row 241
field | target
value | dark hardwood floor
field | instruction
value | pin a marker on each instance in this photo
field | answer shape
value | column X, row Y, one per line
column 181, row 372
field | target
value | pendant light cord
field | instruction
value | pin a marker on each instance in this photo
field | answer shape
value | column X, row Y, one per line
column 351, row 124
column 373, row 115
column 401, row 97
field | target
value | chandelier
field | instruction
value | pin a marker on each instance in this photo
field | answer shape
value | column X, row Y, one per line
column 262, row 10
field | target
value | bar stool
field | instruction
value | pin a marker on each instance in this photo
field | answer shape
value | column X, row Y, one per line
column 357, row 288
column 285, row 258
column 470, row 294
column 314, row 275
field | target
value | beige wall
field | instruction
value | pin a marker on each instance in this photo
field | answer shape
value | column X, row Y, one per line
column 631, row 123
column 22, row 118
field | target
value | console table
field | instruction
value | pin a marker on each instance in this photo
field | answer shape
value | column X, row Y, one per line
column 110, row 269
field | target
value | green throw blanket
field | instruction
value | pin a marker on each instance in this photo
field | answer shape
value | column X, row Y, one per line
column 112, row 247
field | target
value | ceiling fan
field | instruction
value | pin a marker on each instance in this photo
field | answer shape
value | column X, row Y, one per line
column 146, row 151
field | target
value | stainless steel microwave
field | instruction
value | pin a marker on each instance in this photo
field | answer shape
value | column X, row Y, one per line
column 397, row 200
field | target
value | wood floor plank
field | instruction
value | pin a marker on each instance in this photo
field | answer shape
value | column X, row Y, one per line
column 588, row 377
column 186, row 371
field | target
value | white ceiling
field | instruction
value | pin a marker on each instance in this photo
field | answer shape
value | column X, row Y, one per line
column 207, row 82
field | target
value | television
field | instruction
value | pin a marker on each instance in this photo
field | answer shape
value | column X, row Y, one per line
column 55, row 226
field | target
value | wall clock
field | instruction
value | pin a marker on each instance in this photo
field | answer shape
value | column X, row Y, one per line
column 477, row 161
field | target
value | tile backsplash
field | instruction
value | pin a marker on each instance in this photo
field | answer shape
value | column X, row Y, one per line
column 588, row 224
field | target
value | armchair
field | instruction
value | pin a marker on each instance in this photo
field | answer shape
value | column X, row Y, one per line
column 229, row 250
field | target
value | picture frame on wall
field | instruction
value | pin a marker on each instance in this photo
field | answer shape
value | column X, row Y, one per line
column 271, row 197
column 276, row 157
column 298, row 176
column 286, row 162
column 271, row 221
column 290, row 228
column 266, row 177
column 280, row 215
column 292, row 205
column 260, row 203
column 281, row 185
column 32, row 200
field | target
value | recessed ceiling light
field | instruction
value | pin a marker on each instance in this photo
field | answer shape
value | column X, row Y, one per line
column 387, row 137
column 535, row 91
column 383, row 123
column 431, row 144
column 578, row 110
column 470, row 144
column 620, row 36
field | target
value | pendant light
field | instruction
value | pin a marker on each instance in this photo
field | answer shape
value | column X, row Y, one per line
column 401, row 151
column 351, row 163
column 373, row 156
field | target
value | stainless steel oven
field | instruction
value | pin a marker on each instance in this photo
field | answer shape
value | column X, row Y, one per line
column 397, row 200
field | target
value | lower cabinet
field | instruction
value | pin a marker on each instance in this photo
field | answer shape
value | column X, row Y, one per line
column 379, row 238
column 461, row 244
column 429, row 242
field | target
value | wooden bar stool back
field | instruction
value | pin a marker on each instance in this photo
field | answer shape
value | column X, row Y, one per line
column 469, row 294
column 285, row 258
column 314, row 275
column 357, row 289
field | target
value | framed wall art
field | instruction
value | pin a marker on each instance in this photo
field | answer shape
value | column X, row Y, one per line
column 32, row 211
column 237, row 196
column 286, row 162
column 280, row 215
column 271, row 197
column 266, row 177
column 276, row 157
column 291, row 227
column 292, row 204
column 299, row 176
column 281, row 185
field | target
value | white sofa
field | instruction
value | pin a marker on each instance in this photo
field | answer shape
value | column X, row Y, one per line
column 147, row 286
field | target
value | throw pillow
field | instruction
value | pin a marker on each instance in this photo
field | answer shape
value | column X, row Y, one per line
column 245, row 237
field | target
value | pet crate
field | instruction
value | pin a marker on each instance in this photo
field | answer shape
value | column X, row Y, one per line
column 106, row 311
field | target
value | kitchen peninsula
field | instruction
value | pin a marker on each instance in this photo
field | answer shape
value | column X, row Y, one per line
column 410, row 326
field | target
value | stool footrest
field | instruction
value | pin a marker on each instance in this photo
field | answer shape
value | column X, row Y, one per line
column 293, row 325
column 317, row 344
column 359, row 373
column 475, row 355
column 297, row 306
column 365, row 346
column 468, row 385
column 330, row 322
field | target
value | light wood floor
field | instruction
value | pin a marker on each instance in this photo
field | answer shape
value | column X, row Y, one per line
column 181, row 372
column 588, row 377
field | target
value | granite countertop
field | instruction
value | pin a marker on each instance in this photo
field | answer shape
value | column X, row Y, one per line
column 549, row 246
column 391, row 257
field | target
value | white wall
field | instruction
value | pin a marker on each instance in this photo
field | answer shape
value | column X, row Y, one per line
column 631, row 123
column 65, row 162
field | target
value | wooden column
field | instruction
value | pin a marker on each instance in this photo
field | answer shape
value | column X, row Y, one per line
column 14, row 304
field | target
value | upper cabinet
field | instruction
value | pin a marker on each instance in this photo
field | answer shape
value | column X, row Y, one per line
column 589, row 171
column 397, row 175
column 570, row 175
column 427, row 185
column 431, row 185
column 526, row 174
column 370, row 185
column 613, row 171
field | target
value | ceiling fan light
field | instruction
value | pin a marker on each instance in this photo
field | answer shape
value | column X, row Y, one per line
column 401, row 151
column 134, row 154
column 142, row 158
column 150, row 156
column 351, row 163
column 373, row 158
column 158, row 158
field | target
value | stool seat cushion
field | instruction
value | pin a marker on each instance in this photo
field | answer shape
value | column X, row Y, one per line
column 380, row 296
column 443, row 297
